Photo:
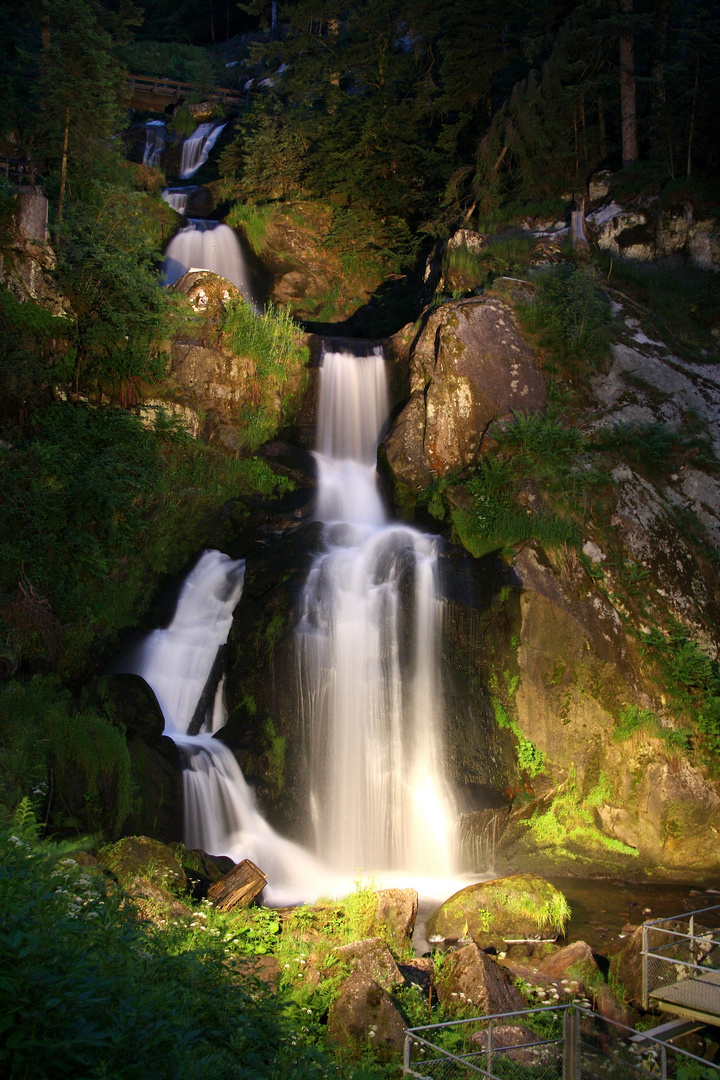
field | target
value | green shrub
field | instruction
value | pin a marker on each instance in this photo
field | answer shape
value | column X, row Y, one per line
column 51, row 750
column 95, row 506
column 91, row 991
column 253, row 220
column 570, row 315
column 507, row 253
column 683, row 302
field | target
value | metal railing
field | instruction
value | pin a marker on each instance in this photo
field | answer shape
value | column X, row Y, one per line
column 681, row 961
column 566, row 1042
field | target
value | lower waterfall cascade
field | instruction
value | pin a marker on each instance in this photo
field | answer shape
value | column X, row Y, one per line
column 368, row 673
column 367, row 676
column 221, row 816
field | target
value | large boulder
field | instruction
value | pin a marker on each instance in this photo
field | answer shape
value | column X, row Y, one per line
column 373, row 958
column 140, row 857
column 468, row 367
column 515, row 908
column 472, row 980
column 363, row 1016
column 396, row 913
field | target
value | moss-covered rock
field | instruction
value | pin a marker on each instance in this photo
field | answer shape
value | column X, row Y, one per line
column 140, row 857
column 522, row 906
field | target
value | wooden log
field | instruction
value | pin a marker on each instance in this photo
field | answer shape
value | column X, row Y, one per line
column 237, row 888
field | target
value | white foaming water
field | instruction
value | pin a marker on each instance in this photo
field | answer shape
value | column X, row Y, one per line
column 196, row 148
column 155, row 140
column 206, row 245
column 366, row 652
column 220, row 812
column 177, row 198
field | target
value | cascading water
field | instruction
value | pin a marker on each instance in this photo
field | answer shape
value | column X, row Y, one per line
column 196, row 148
column 155, row 141
column 177, row 198
column 366, row 651
column 207, row 245
column 179, row 663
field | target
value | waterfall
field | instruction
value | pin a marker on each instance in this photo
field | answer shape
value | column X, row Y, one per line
column 177, row 198
column 207, row 245
column 155, row 139
column 197, row 147
column 366, row 652
column 220, row 812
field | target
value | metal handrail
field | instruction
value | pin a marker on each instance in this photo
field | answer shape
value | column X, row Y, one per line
column 570, row 1010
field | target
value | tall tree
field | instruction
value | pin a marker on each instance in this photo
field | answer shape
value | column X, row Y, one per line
column 628, row 103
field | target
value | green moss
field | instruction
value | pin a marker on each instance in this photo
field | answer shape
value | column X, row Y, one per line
column 529, row 758
column 569, row 821
column 515, row 906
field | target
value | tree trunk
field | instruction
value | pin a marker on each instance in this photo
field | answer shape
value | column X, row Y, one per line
column 63, row 167
column 238, row 887
column 692, row 115
column 627, row 86
column 658, row 92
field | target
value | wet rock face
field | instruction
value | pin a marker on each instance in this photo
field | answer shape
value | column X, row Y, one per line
column 468, row 366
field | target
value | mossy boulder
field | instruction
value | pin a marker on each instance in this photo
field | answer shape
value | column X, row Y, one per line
column 136, row 857
column 516, row 908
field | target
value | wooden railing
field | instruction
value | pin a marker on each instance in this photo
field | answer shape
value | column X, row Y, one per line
column 18, row 170
column 173, row 90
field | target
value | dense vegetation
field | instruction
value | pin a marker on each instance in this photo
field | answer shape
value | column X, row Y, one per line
column 403, row 119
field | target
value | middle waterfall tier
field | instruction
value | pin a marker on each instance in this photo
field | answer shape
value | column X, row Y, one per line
column 207, row 245
column 366, row 652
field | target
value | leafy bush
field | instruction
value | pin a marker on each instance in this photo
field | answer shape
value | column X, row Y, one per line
column 72, row 762
column 95, row 505
column 91, row 991
column 507, row 253
column 272, row 341
column 32, row 345
column 683, row 302
column 570, row 315
column 253, row 220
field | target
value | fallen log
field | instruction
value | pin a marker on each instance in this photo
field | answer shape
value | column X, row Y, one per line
column 237, row 888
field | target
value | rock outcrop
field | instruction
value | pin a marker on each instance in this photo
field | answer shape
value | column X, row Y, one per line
column 468, row 366
column 363, row 1017
column 515, row 908
column 27, row 262
column 473, row 983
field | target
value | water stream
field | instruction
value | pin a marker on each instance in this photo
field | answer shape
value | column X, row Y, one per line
column 368, row 681
column 221, row 815
column 196, row 148
column 207, row 245
column 155, row 142
column 366, row 652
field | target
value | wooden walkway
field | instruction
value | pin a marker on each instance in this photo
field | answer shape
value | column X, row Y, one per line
column 155, row 94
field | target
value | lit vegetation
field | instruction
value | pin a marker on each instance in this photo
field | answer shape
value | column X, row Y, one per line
column 114, row 996
column 273, row 341
column 569, row 821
